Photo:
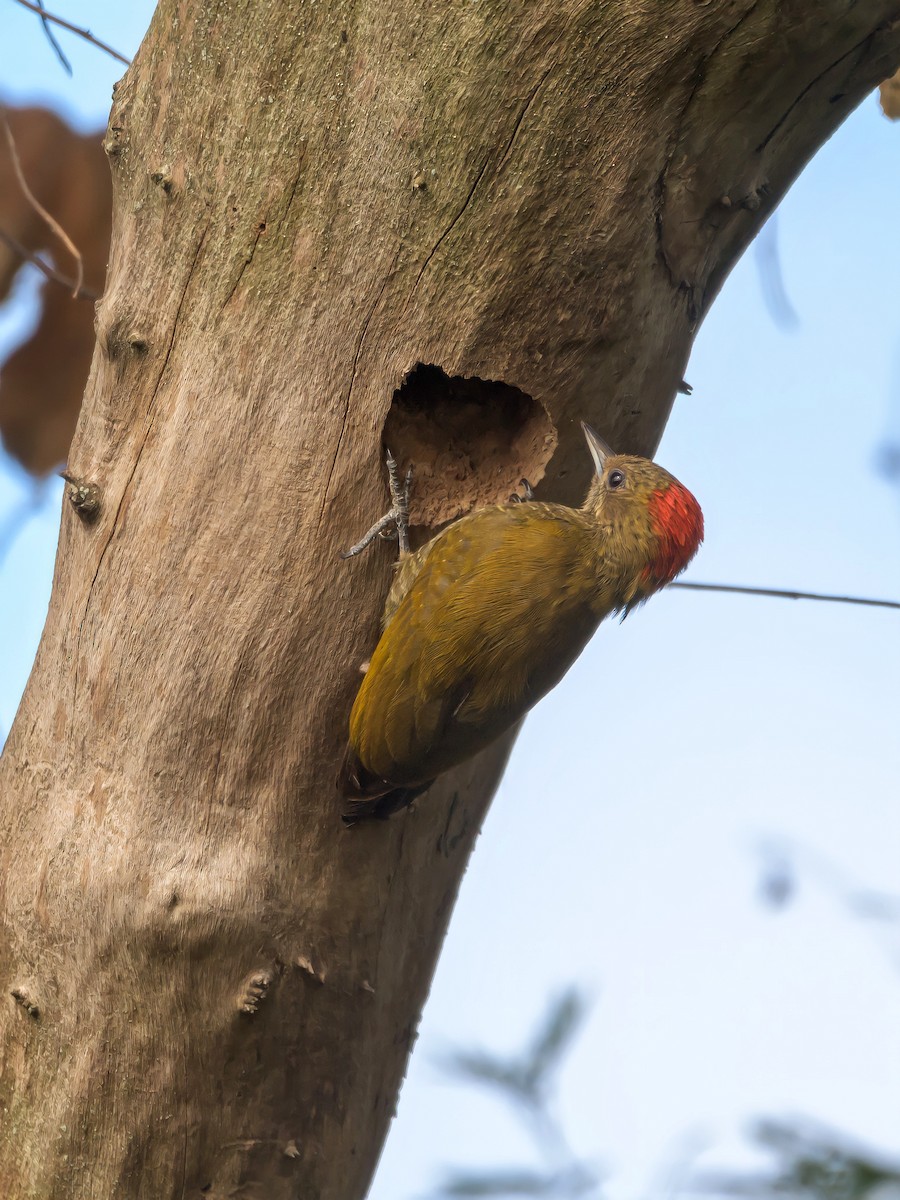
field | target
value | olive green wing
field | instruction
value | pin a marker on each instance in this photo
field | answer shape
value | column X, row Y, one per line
column 477, row 639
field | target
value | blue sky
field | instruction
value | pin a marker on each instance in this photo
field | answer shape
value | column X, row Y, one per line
column 622, row 850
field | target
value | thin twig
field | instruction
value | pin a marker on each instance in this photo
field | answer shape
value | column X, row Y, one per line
column 82, row 33
column 29, row 256
column 51, row 38
column 39, row 208
column 786, row 595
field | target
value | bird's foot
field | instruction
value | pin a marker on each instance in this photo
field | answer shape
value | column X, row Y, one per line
column 527, row 493
column 394, row 523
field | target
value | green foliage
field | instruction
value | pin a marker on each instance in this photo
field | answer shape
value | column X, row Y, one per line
column 528, row 1078
column 528, row 1084
column 809, row 1161
column 812, row 1162
column 517, row 1183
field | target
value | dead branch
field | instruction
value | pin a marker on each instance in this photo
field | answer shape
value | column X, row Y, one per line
column 39, row 208
column 78, row 293
column 51, row 38
column 79, row 32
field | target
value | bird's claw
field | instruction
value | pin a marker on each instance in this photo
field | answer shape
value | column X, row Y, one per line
column 394, row 523
column 527, row 493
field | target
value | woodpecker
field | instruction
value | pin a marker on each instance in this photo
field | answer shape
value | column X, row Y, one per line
column 488, row 616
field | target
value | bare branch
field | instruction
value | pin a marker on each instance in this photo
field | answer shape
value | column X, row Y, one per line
column 51, row 38
column 39, row 208
column 78, row 293
column 787, row 595
column 82, row 33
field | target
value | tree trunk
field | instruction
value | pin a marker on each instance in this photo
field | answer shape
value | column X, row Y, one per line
column 211, row 986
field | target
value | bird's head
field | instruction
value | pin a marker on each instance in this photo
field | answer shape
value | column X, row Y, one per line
column 652, row 520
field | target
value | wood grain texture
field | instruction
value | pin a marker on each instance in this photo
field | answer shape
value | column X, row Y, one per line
column 310, row 198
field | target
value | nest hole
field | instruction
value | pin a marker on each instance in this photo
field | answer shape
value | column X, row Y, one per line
column 469, row 441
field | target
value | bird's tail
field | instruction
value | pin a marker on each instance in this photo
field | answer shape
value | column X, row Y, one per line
column 369, row 797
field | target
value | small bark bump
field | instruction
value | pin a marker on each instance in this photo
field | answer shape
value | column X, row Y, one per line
column 22, row 998
column 255, row 990
column 255, row 993
column 119, row 339
column 112, row 143
column 162, row 177
column 305, row 964
column 84, row 496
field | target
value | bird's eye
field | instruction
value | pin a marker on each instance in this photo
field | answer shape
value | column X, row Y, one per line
column 616, row 479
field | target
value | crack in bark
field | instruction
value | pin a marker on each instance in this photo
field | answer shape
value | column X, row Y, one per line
column 449, row 229
column 260, row 230
column 521, row 117
column 296, row 183
column 661, row 186
column 529, row 100
column 885, row 25
column 264, row 225
column 128, row 482
column 356, row 358
column 660, row 191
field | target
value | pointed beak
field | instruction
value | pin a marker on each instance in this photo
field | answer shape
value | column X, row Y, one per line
column 600, row 452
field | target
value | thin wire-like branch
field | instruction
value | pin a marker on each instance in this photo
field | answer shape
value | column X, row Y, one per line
column 39, row 208
column 51, row 273
column 82, row 33
column 51, row 38
column 782, row 594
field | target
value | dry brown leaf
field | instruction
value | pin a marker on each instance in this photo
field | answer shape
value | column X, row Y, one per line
column 42, row 382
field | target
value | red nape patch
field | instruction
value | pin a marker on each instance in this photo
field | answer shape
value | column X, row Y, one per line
column 678, row 524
